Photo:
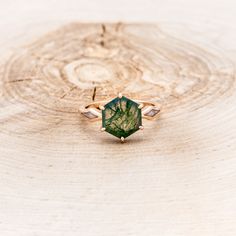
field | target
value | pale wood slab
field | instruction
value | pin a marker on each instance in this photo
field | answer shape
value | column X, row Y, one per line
column 60, row 176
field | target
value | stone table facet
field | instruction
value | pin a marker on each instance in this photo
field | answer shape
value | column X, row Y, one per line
column 121, row 117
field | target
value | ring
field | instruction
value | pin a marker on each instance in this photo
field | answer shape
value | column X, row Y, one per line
column 121, row 116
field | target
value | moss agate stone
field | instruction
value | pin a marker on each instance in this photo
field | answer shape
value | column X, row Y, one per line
column 121, row 117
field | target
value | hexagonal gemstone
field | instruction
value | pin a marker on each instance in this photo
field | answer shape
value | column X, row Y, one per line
column 121, row 117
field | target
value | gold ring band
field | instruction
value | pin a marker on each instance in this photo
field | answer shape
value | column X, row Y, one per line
column 121, row 116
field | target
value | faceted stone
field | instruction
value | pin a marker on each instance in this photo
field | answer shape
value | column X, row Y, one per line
column 121, row 117
column 89, row 115
column 152, row 112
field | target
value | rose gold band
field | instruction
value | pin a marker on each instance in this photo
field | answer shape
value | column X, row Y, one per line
column 150, row 110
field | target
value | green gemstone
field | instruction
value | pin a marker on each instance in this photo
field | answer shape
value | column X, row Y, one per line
column 121, row 117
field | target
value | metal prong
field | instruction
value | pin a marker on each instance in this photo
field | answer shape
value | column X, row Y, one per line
column 122, row 139
column 141, row 127
column 140, row 106
column 103, row 129
column 120, row 95
column 101, row 107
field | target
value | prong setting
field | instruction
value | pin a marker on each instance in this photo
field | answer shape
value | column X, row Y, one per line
column 101, row 107
column 120, row 95
column 122, row 139
column 103, row 129
column 141, row 105
column 141, row 127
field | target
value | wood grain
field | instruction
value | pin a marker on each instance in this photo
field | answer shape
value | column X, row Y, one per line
column 60, row 176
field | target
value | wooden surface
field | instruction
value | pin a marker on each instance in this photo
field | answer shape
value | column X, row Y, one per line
column 60, row 176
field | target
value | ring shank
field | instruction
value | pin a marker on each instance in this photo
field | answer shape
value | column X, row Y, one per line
column 93, row 111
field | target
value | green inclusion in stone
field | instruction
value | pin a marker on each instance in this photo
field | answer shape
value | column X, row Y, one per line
column 121, row 117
